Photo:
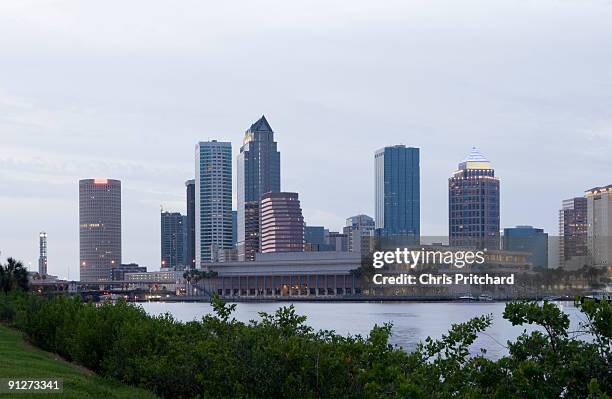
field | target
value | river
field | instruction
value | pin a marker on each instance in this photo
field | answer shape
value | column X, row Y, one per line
column 412, row 321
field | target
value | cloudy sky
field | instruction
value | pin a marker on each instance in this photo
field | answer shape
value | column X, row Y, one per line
column 124, row 89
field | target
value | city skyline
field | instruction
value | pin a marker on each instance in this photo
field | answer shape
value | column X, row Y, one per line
column 542, row 116
column 234, row 194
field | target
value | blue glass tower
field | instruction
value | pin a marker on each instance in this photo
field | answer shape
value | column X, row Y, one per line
column 528, row 239
column 398, row 208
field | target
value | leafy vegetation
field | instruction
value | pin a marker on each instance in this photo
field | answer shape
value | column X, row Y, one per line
column 280, row 356
column 20, row 360
column 13, row 276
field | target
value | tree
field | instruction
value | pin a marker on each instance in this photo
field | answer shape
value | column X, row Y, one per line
column 13, row 276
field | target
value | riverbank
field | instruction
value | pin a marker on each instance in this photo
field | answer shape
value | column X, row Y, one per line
column 21, row 360
column 344, row 298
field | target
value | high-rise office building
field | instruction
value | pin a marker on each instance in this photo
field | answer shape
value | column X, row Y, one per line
column 99, row 228
column 473, row 203
column 397, row 187
column 190, row 243
column 528, row 239
column 359, row 230
column 172, row 239
column 258, row 173
column 282, row 223
column 599, row 225
column 573, row 228
column 213, row 200
column 42, row 258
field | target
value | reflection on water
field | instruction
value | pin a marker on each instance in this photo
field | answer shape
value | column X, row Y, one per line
column 412, row 321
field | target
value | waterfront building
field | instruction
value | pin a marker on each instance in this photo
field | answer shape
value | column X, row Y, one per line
column 473, row 203
column 573, row 228
column 281, row 223
column 190, row 225
column 599, row 225
column 172, row 235
column 288, row 274
column 169, row 281
column 213, row 200
column 397, row 191
column 258, row 173
column 530, row 240
column 42, row 257
column 99, row 228
column 118, row 272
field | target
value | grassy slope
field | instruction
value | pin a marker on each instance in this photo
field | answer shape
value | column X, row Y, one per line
column 21, row 360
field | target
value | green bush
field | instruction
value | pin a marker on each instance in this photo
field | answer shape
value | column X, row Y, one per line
column 280, row 356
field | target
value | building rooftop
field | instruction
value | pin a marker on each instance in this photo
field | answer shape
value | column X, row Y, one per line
column 597, row 190
column 475, row 156
column 261, row 125
column 475, row 160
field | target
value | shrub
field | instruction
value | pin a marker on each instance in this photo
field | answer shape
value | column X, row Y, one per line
column 280, row 356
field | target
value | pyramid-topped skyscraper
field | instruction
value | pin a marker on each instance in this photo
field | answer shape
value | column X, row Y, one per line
column 258, row 173
column 473, row 203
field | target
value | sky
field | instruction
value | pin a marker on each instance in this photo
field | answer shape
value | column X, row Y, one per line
column 125, row 89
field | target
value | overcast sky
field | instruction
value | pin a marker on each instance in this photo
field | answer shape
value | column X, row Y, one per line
column 124, row 89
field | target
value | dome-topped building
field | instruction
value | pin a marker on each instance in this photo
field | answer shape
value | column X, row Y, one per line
column 473, row 203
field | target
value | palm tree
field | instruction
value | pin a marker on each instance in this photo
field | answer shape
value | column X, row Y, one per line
column 13, row 276
column 208, row 276
column 187, row 277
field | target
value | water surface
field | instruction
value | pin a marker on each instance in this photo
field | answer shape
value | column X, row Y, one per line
column 412, row 321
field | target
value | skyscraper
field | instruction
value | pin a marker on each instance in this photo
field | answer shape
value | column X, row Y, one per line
column 42, row 258
column 473, row 203
column 172, row 244
column 99, row 228
column 282, row 223
column 190, row 244
column 258, row 173
column 573, row 228
column 599, row 222
column 397, row 186
column 213, row 200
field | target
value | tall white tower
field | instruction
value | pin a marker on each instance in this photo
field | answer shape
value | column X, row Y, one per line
column 42, row 258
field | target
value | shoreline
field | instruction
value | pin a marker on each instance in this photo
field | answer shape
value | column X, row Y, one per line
column 352, row 300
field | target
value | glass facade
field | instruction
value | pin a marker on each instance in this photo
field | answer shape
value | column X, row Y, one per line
column 258, row 173
column 397, row 187
column 190, row 224
column 99, row 228
column 172, row 239
column 573, row 228
column 473, row 204
column 213, row 198
column 530, row 240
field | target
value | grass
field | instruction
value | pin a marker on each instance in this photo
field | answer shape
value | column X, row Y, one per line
column 18, row 359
